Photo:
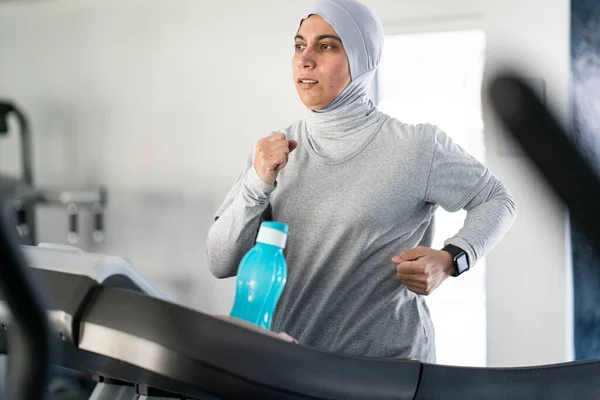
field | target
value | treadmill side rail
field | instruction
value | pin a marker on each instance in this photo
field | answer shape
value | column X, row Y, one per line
column 198, row 354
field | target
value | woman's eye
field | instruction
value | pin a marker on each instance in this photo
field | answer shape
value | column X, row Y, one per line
column 325, row 46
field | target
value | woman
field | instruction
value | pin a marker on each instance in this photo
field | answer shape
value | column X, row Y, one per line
column 358, row 190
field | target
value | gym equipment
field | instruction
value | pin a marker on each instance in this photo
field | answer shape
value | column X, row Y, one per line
column 25, row 195
column 24, row 209
column 134, row 344
column 137, row 346
column 550, row 148
column 29, row 329
column 107, row 270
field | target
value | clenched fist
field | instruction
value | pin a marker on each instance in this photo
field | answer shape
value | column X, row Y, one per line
column 272, row 156
column 423, row 269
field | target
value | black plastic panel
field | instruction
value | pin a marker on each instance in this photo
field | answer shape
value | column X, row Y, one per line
column 64, row 292
column 207, row 353
column 567, row 381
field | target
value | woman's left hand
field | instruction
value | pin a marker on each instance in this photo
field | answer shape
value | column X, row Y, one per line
column 423, row 269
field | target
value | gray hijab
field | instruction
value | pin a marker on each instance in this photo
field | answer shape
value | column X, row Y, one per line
column 362, row 36
column 337, row 132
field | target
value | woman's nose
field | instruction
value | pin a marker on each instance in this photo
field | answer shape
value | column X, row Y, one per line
column 306, row 59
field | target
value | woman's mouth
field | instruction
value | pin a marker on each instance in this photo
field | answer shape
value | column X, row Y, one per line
column 306, row 83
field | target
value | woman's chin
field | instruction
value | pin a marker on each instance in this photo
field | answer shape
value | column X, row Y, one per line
column 312, row 102
column 313, row 105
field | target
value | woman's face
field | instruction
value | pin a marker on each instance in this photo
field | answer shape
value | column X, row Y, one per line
column 320, row 64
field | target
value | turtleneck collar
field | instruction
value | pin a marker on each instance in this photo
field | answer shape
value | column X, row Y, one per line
column 339, row 121
column 342, row 121
column 335, row 136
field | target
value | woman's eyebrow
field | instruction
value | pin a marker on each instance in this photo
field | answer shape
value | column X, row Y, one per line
column 320, row 37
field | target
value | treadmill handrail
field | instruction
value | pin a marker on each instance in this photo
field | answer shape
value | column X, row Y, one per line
column 200, row 351
column 99, row 267
column 30, row 356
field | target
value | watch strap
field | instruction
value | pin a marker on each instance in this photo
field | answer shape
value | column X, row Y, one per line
column 456, row 252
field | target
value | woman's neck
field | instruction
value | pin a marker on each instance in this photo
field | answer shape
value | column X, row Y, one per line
column 341, row 121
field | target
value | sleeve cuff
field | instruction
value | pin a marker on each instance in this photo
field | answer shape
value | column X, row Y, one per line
column 256, row 185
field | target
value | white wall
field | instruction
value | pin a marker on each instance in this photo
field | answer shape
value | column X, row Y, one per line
column 161, row 101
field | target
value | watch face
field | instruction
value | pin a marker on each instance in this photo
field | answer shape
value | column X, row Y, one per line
column 461, row 263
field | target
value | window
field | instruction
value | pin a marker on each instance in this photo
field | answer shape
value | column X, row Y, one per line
column 436, row 78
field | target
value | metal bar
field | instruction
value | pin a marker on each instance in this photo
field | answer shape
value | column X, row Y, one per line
column 75, row 196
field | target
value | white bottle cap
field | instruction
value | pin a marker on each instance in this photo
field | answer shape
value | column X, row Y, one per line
column 272, row 236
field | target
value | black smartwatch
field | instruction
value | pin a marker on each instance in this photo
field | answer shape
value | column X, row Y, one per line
column 460, row 259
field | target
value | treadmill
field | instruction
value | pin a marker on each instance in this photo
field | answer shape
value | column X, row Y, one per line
column 140, row 346
column 109, row 271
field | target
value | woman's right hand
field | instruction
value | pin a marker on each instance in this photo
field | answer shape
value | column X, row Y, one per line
column 279, row 335
column 272, row 156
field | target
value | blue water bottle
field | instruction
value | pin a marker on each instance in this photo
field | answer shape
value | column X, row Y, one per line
column 261, row 276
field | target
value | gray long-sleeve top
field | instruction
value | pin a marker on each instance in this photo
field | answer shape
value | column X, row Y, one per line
column 348, row 216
